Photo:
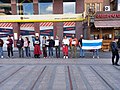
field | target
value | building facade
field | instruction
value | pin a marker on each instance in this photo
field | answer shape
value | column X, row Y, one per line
column 40, row 7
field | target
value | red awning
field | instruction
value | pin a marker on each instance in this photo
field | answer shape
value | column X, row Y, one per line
column 106, row 24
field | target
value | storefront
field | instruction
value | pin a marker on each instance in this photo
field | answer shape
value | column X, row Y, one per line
column 107, row 27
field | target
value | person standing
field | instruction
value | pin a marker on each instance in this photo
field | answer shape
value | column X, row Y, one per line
column 51, row 44
column 65, row 44
column 57, row 47
column 96, row 51
column 20, row 45
column 9, row 46
column 37, row 50
column 27, row 47
column 73, row 46
column 44, row 48
column 1, row 48
column 80, row 45
column 115, row 53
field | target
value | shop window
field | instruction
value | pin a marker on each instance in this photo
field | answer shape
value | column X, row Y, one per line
column 97, row 7
column 46, row 8
column 107, row 37
column 87, row 7
column 25, row 7
column 5, row 8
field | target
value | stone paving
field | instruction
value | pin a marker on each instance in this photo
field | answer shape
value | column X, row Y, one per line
column 59, row 74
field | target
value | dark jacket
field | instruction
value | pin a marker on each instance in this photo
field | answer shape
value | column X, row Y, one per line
column 1, row 43
column 80, row 41
column 10, row 42
column 114, row 46
column 20, row 43
column 51, row 43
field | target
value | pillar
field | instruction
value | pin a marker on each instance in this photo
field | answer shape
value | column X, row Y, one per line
column 16, row 26
column 36, row 12
column 79, row 25
column 58, row 26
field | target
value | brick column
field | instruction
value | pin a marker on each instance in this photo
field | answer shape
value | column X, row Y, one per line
column 58, row 26
column 79, row 25
column 36, row 12
column 16, row 26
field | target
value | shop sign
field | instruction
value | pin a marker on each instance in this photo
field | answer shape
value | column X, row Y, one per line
column 108, row 16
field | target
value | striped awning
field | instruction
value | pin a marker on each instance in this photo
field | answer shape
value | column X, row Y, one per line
column 31, row 25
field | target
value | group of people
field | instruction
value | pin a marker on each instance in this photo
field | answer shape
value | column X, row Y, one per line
column 24, row 45
column 20, row 44
column 56, row 43
column 50, row 43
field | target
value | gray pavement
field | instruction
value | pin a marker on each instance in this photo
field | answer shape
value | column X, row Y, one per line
column 59, row 74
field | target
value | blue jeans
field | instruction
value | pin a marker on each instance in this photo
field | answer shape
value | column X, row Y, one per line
column 96, row 53
column 50, row 49
column 1, row 51
column 27, row 51
column 81, row 52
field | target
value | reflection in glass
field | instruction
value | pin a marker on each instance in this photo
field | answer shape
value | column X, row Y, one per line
column 69, row 7
column 46, row 8
column 28, row 8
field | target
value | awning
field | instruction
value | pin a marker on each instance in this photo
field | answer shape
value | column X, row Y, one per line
column 106, row 24
column 43, row 24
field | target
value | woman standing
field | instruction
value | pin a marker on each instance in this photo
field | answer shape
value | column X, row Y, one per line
column 65, row 44
column 9, row 46
column 26, row 46
column 37, row 50
column 44, row 47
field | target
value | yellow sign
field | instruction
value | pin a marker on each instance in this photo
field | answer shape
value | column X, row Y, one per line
column 42, row 18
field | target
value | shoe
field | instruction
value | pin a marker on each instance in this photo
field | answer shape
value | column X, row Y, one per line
column 64, row 57
column 98, row 57
column 117, row 64
column 93, row 57
column 67, row 57
column 1, row 56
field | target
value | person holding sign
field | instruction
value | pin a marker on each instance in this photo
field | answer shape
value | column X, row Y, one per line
column 65, row 44
column 57, row 47
column 80, row 45
column 20, row 45
column 44, row 48
column 1, row 48
column 9, row 43
column 37, row 50
column 51, row 44
column 73, row 44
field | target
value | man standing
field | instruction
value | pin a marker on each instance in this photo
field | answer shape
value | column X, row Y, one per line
column 51, row 44
column 9, row 46
column 1, row 48
column 73, row 44
column 80, row 45
column 20, row 45
column 57, row 47
column 115, row 53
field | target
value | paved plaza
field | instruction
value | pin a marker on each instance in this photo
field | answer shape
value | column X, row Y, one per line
column 59, row 74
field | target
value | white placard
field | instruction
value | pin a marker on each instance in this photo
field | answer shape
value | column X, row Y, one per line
column 56, row 42
column 47, row 43
column 7, row 42
column 36, row 42
column 65, row 41
column 73, row 42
